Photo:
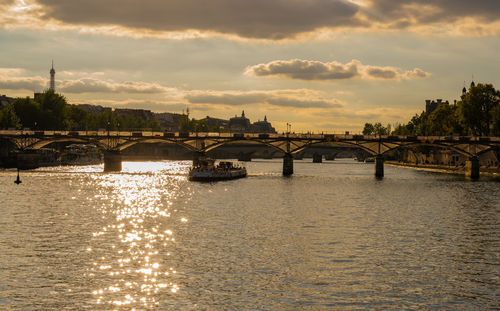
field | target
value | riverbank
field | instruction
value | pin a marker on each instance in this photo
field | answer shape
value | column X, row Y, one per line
column 458, row 170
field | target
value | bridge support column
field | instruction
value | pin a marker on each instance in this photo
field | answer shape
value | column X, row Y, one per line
column 287, row 164
column 379, row 166
column 330, row 157
column 197, row 157
column 246, row 157
column 112, row 161
column 317, row 158
column 472, row 168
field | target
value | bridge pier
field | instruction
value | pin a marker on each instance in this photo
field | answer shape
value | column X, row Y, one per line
column 244, row 157
column 317, row 158
column 379, row 166
column 197, row 157
column 112, row 161
column 472, row 168
column 287, row 164
column 330, row 157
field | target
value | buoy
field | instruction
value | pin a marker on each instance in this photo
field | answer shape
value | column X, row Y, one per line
column 18, row 180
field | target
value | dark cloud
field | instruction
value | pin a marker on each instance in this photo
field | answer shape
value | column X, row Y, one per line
column 315, row 70
column 23, row 83
column 270, row 19
column 266, row 19
column 407, row 12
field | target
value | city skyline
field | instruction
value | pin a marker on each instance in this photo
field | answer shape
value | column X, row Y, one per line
column 319, row 65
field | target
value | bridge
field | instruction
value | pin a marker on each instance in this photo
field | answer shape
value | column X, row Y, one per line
column 289, row 144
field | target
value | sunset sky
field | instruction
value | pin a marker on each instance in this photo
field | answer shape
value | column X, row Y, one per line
column 321, row 65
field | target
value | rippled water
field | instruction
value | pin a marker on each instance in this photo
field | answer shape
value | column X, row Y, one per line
column 331, row 237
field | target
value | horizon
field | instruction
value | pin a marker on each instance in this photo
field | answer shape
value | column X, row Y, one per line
column 324, row 65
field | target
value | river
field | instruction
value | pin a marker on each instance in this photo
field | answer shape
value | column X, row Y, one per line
column 331, row 237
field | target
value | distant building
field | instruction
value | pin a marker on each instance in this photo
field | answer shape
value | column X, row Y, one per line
column 93, row 109
column 430, row 106
column 263, row 126
column 136, row 113
column 239, row 124
column 214, row 122
column 168, row 121
column 242, row 124
column 5, row 100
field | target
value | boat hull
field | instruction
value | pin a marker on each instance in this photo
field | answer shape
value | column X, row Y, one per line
column 216, row 175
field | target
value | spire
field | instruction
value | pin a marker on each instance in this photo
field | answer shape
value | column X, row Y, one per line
column 265, row 118
column 243, row 114
column 52, row 78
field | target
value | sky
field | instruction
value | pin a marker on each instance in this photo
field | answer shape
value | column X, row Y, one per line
column 320, row 65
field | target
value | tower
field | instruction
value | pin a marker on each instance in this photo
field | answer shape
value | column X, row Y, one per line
column 52, row 78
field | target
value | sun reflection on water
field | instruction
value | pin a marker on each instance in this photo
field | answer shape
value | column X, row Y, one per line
column 131, row 251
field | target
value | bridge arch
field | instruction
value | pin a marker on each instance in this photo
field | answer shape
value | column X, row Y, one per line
column 350, row 144
column 131, row 143
column 227, row 142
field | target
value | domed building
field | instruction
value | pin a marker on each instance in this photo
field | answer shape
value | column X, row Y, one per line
column 242, row 125
column 239, row 124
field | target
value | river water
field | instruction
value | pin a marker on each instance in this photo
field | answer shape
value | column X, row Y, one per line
column 331, row 237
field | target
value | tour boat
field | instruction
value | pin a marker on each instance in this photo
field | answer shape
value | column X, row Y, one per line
column 206, row 170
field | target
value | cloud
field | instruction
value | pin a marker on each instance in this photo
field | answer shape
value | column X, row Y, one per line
column 10, row 79
column 278, row 98
column 315, row 70
column 256, row 19
column 13, row 79
column 91, row 85
column 266, row 19
column 155, row 106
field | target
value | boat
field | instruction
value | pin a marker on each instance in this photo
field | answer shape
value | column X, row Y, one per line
column 80, row 154
column 206, row 170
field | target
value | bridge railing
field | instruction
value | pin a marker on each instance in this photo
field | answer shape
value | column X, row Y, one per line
column 327, row 137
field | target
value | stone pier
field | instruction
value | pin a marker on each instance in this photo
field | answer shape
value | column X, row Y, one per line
column 197, row 156
column 245, row 157
column 472, row 168
column 287, row 164
column 317, row 158
column 379, row 166
column 112, row 161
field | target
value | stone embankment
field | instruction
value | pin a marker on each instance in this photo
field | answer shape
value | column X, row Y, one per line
column 484, row 171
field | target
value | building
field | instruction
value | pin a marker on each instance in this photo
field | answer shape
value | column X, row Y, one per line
column 430, row 106
column 168, row 121
column 242, row 124
column 239, row 124
column 263, row 126
column 136, row 113
column 5, row 100
column 93, row 109
column 215, row 122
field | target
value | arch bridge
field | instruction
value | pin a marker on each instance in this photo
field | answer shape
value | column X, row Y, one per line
column 113, row 142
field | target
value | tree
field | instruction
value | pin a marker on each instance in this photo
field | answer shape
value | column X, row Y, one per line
column 28, row 111
column 8, row 117
column 443, row 120
column 476, row 106
column 368, row 129
column 53, row 106
column 75, row 118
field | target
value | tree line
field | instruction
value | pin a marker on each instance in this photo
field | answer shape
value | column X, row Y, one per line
column 50, row 111
column 477, row 113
